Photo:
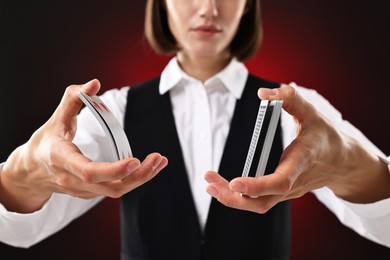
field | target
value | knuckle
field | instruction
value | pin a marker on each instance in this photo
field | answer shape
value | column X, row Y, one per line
column 63, row 181
column 117, row 175
column 289, row 91
column 148, row 175
column 262, row 209
column 142, row 175
column 227, row 202
column 51, row 158
column 116, row 193
column 286, row 185
column 265, row 206
column 310, row 157
column 297, row 195
column 85, row 174
column 69, row 90
column 308, row 154
column 87, row 196
column 51, row 154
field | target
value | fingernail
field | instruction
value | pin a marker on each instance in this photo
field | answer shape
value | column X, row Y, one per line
column 89, row 82
column 268, row 91
column 132, row 166
column 160, row 166
column 156, row 163
column 208, row 178
column 238, row 187
column 213, row 192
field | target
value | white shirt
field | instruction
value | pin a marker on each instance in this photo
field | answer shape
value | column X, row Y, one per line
column 205, row 109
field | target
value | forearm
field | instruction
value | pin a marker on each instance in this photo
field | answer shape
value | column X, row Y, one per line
column 366, row 178
column 17, row 196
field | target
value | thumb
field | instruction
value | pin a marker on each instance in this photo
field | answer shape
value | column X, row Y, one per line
column 71, row 104
column 293, row 102
column 91, row 87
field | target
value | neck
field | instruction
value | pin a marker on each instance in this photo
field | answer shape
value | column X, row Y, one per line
column 202, row 68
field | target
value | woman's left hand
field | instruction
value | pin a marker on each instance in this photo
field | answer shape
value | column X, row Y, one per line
column 319, row 156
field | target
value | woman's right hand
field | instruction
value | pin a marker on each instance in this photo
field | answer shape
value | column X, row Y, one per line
column 50, row 163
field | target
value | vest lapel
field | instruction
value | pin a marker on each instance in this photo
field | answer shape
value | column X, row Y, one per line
column 255, row 236
column 150, row 127
column 159, row 219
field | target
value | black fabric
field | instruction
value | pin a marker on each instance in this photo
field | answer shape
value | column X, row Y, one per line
column 159, row 219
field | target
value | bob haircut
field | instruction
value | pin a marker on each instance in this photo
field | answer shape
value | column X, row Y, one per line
column 243, row 46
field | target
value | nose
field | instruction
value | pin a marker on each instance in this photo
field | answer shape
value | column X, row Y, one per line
column 208, row 8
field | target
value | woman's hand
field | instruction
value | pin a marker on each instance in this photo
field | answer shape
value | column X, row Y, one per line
column 50, row 163
column 319, row 156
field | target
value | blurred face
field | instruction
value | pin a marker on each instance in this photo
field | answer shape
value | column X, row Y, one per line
column 204, row 28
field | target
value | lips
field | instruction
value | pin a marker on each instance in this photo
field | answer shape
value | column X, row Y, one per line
column 206, row 30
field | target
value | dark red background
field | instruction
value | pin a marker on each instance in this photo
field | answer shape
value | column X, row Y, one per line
column 340, row 48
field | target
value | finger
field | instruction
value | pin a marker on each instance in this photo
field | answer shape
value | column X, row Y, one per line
column 88, row 171
column 213, row 177
column 149, row 168
column 71, row 185
column 272, row 184
column 294, row 161
column 293, row 102
column 219, row 189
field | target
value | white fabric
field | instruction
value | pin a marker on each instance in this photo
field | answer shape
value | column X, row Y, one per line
column 203, row 112
column 207, row 122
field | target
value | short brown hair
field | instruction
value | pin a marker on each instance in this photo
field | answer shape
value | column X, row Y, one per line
column 244, row 44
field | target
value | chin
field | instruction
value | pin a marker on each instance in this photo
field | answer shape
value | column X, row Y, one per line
column 210, row 53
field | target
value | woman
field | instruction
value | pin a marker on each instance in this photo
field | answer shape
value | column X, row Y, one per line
column 199, row 114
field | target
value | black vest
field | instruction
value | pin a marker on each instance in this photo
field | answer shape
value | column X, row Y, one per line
column 159, row 220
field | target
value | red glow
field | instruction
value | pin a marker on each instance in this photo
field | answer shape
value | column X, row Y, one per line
column 340, row 48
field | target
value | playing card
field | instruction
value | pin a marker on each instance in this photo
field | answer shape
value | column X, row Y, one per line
column 262, row 138
column 119, row 143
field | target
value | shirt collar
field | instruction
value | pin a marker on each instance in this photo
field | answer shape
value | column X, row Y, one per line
column 233, row 77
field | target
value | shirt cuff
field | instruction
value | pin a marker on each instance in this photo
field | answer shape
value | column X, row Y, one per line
column 385, row 160
column 368, row 220
column 23, row 229
column 27, row 229
column 367, row 210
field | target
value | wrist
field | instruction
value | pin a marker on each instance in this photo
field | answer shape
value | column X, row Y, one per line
column 366, row 178
column 17, row 193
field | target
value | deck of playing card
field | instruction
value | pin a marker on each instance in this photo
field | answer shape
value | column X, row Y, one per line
column 119, row 143
column 262, row 138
